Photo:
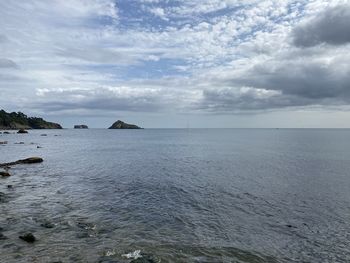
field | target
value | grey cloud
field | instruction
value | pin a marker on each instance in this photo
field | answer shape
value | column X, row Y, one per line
column 7, row 63
column 304, row 79
column 227, row 100
column 330, row 27
column 280, row 84
column 101, row 99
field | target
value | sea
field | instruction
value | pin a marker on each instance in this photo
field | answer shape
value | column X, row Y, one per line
column 177, row 195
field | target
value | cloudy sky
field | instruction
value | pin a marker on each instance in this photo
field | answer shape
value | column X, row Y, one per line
column 173, row 63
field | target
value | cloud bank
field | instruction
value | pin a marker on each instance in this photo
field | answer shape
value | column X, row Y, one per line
column 179, row 56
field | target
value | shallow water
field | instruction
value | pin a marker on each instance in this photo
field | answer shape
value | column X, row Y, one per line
column 198, row 195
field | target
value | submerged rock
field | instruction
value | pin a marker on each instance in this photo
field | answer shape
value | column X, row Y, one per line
column 47, row 225
column 29, row 237
column 22, row 131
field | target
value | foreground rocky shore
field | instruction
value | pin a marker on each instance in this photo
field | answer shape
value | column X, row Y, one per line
column 31, row 236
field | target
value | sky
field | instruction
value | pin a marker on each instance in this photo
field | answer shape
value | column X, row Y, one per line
column 179, row 63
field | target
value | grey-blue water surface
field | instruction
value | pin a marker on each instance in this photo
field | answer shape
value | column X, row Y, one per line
column 178, row 195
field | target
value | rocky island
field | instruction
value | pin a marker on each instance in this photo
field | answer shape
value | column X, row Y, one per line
column 81, row 126
column 18, row 120
column 122, row 125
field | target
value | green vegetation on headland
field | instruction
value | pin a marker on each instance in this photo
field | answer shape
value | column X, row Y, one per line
column 18, row 120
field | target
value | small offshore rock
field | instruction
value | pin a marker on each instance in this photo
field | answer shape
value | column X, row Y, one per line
column 22, row 131
column 10, row 186
column 81, row 126
column 6, row 132
column 47, row 225
column 4, row 142
column 29, row 237
column 43, row 134
column 5, row 174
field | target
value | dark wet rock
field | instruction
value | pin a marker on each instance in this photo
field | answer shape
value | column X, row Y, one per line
column 31, row 160
column 122, row 125
column 3, row 143
column 47, row 225
column 19, row 142
column 6, row 132
column 24, row 161
column 5, row 174
column 9, row 186
column 2, row 236
column 22, row 131
column 291, row 226
column 86, row 225
column 38, row 147
column 29, row 237
column 44, row 134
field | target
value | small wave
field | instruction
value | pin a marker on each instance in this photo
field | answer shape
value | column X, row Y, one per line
column 134, row 255
column 110, row 253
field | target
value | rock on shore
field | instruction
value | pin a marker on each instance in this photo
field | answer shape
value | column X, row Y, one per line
column 23, row 161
